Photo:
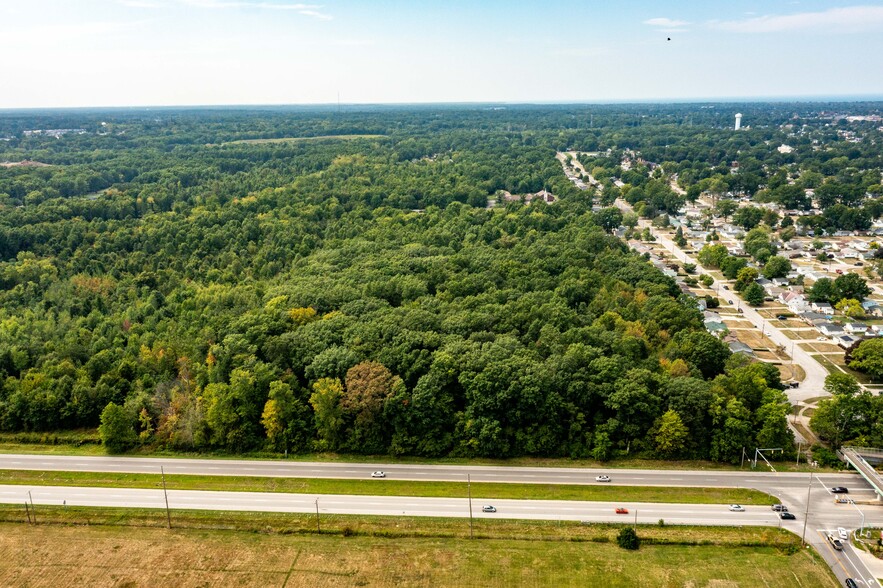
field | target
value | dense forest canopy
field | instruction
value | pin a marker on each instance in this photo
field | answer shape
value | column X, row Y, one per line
column 308, row 279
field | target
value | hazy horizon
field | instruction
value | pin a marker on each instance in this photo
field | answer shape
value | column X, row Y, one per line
column 245, row 52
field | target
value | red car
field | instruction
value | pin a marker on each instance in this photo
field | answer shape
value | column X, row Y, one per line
column 622, row 510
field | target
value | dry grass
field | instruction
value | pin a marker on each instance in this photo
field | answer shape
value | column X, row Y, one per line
column 801, row 335
column 791, row 372
column 62, row 557
column 738, row 324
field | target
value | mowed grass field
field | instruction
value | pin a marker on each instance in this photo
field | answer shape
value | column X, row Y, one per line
column 62, row 556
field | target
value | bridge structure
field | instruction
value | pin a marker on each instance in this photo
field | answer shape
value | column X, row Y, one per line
column 861, row 459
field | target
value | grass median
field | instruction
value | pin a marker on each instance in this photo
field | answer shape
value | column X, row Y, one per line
column 387, row 487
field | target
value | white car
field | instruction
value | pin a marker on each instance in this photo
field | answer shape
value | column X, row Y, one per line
column 602, row 478
column 488, row 508
column 821, row 338
column 844, row 534
column 737, row 508
column 378, row 474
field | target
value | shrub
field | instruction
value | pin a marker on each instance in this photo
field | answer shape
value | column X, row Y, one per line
column 628, row 539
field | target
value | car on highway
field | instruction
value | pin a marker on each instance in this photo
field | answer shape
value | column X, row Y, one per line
column 780, row 508
column 622, row 510
column 850, row 583
column 378, row 474
column 835, row 543
column 602, row 478
column 488, row 508
column 737, row 508
column 787, row 516
column 844, row 534
column 840, row 490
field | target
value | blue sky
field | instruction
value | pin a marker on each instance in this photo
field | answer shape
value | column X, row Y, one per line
column 177, row 52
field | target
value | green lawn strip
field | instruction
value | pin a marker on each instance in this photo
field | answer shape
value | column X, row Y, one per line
column 253, row 549
column 389, row 526
column 389, row 487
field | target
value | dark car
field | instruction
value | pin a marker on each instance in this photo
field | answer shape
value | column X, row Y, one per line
column 787, row 516
column 850, row 583
column 840, row 490
column 782, row 317
column 780, row 508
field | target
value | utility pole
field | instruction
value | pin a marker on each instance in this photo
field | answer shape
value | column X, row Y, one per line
column 742, row 463
column 166, row 494
column 806, row 512
column 469, row 490
column 318, row 528
column 636, row 521
column 33, row 510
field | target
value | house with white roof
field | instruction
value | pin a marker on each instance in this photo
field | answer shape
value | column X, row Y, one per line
column 846, row 341
column 823, row 308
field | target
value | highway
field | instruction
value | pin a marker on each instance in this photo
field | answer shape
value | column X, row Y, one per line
column 572, row 510
column 791, row 489
column 760, row 479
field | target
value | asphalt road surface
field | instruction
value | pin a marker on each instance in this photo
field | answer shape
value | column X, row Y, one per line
column 792, row 489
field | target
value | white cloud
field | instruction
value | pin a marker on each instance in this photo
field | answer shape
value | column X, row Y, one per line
column 666, row 22
column 848, row 19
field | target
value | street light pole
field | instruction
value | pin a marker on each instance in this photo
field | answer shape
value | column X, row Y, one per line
column 806, row 512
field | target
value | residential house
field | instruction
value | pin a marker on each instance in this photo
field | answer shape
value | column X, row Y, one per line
column 830, row 329
column 739, row 347
column 855, row 328
column 823, row 308
column 845, row 341
column 716, row 328
column 871, row 307
column 811, row 317
column 849, row 253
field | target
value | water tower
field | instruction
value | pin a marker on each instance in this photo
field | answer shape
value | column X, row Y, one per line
column 738, row 120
